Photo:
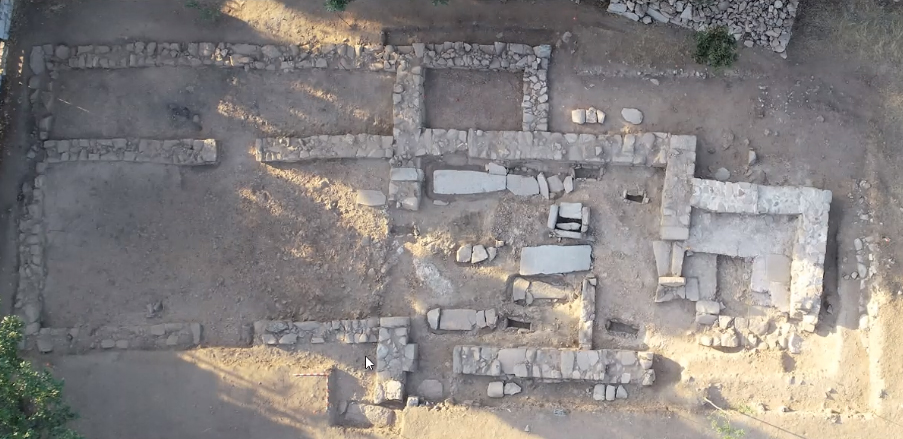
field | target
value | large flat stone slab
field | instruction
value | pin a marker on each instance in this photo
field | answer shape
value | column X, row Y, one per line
column 554, row 259
column 453, row 182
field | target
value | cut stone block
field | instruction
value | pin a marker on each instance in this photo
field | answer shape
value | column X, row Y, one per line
column 457, row 319
column 542, row 290
column 599, row 392
column 371, row 198
column 662, row 252
column 465, row 252
column 495, row 169
column 555, row 184
column 708, row 307
column 677, row 258
column 479, row 254
column 691, row 290
column 777, row 268
column 453, row 182
column 553, row 217
column 570, row 210
column 674, row 233
column 519, row 289
column 578, row 116
column 554, row 259
column 512, row 389
column 672, row 281
column 405, row 174
column 522, row 185
column 432, row 317
column 543, row 185
column 496, row 389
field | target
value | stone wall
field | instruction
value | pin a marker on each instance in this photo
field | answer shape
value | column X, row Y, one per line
column 554, row 365
column 647, row 149
column 188, row 152
column 677, row 188
column 294, row 149
column 82, row 339
column 765, row 23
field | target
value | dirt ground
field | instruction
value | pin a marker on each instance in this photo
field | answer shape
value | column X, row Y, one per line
column 243, row 241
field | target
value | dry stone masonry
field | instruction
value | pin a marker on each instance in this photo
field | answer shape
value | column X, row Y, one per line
column 349, row 146
column 461, row 319
column 555, row 365
column 143, row 337
column 176, row 152
column 765, row 23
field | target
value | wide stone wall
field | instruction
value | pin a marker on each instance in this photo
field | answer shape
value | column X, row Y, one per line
column 765, row 23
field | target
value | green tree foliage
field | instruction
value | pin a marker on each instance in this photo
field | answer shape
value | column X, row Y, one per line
column 31, row 404
column 715, row 48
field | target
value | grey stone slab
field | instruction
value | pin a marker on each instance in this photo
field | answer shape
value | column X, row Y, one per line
column 554, row 259
column 522, row 185
column 371, row 198
column 570, row 210
column 542, row 290
column 453, row 182
column 691, row 290
column 553, row 217
column 555, row 184
column 543, row 185
column 457, row 319
column 662, row 252
column 405, row 174
column 703, row 267
column 519, row 289
column 677, row 258
column 496, row 169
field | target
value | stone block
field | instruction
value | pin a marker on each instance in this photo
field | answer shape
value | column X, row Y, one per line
column 672, row 281
column 519, row 289
column 708, row 307
column 570, row 210
column 512, row 389
column 405, row 174
column 553, row 259
column 677, row 258
column 496, row 389
column 371, row 198
column 542, row 290
column 599, row 392
column 464, row 254
column 553, row 217
column 453, row 182
column 432, row 317
column 662, row 252
column 691, row 290
column 523, row 186
column 457, row 319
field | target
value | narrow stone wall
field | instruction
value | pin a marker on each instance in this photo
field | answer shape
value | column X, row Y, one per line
column 143, row 337
column 765, row 23
column 348, row 146
column 188, row 152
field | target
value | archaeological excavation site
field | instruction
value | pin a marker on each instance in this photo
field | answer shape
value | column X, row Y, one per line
column 265, row 219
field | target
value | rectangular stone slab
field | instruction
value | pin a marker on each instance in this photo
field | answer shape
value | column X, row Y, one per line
column 554, row 259
column 454, row 182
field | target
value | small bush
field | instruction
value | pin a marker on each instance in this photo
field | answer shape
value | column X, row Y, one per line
column 337, row 5
column 31, row 402
column 715, row 48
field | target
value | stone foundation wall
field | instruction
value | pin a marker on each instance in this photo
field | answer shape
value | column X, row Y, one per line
column 765, row 23
column 648, row 149
column 348, row 146
column 549, row 364
column 82, row 339
column 188, row 152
